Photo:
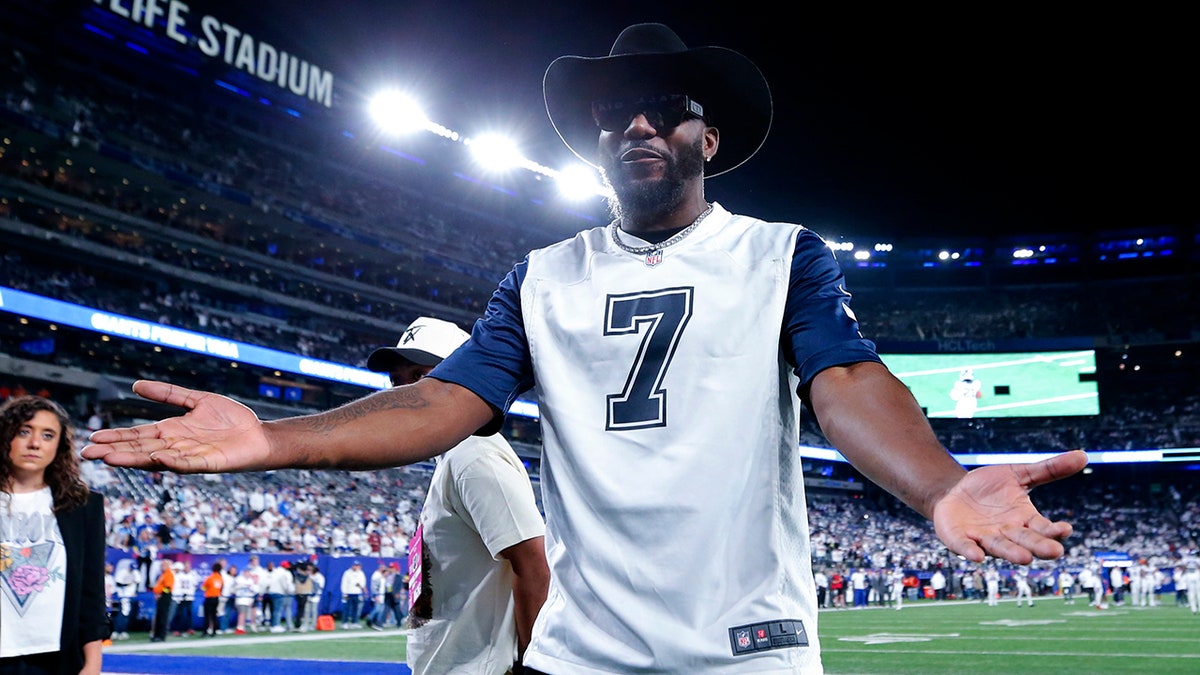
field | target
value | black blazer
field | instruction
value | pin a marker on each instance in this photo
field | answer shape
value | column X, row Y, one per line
column 85, row 615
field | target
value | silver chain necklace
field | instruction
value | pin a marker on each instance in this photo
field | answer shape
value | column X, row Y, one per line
column 653, row 252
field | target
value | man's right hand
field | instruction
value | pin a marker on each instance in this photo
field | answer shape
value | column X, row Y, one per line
column 217, row 434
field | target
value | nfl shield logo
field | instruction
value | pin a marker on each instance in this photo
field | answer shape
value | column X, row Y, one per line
column 743, row 638
column 653, row 258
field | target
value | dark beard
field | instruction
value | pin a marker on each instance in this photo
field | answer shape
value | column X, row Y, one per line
column 647, row 201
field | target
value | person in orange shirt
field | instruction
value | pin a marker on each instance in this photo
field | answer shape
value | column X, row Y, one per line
column 162, row 607
column 212, row 596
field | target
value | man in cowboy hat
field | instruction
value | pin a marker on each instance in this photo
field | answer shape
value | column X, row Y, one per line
column 671, row 352
column 477, row 562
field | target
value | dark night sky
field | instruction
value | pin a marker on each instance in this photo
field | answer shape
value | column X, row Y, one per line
column 992, row 119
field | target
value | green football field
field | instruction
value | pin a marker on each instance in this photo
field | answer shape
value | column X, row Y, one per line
column 1013, row 384
column 1050, row 638
column 926, row 637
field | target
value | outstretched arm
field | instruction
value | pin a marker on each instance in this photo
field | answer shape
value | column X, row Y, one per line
column 388, row 428
column 874, row 421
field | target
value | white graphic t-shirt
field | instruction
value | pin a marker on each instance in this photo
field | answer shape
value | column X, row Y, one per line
column 33, row 571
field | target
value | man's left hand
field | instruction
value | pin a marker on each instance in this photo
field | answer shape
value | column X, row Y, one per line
column 988, row 512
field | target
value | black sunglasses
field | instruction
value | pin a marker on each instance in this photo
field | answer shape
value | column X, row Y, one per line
column 662, row 111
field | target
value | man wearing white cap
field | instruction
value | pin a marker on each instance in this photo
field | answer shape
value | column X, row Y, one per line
column 477, row 562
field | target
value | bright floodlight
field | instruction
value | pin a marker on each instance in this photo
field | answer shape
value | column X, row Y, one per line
column 578, row 182
column 397, row 113
column 495, row 153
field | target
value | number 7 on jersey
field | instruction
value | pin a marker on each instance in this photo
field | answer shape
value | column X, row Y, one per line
column 659, row 317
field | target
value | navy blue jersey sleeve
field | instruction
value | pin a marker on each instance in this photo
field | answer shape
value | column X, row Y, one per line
column 495, row 363
column 819, row 329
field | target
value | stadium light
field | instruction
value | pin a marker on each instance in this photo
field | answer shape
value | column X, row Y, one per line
column 397, row 113
column 862, row 254
column 578, row 182
column 495, row 153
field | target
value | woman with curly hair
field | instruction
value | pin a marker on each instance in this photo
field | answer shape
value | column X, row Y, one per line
column 52, row 603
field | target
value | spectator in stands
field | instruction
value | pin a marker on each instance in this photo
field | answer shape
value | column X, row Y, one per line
column 197, row 541
column 95, row 422
column 52, row 540
column 165, row 533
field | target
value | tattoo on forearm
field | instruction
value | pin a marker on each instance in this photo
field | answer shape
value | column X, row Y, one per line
column 400, row 398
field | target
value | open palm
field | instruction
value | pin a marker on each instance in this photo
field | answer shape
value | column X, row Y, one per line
column 989, row 512
column 217, row 434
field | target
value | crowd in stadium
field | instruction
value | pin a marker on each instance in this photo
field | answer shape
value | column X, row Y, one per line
column 372, row 514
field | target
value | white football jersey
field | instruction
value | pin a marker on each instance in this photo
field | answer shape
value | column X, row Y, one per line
column 695, row 497
column 676, row 528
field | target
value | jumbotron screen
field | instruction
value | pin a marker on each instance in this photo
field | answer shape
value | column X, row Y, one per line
column 1024, row 384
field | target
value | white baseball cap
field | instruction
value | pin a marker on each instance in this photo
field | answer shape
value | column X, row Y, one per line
column 425, row 342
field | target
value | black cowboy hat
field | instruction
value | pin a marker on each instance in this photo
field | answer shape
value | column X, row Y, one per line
column 650, row 58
